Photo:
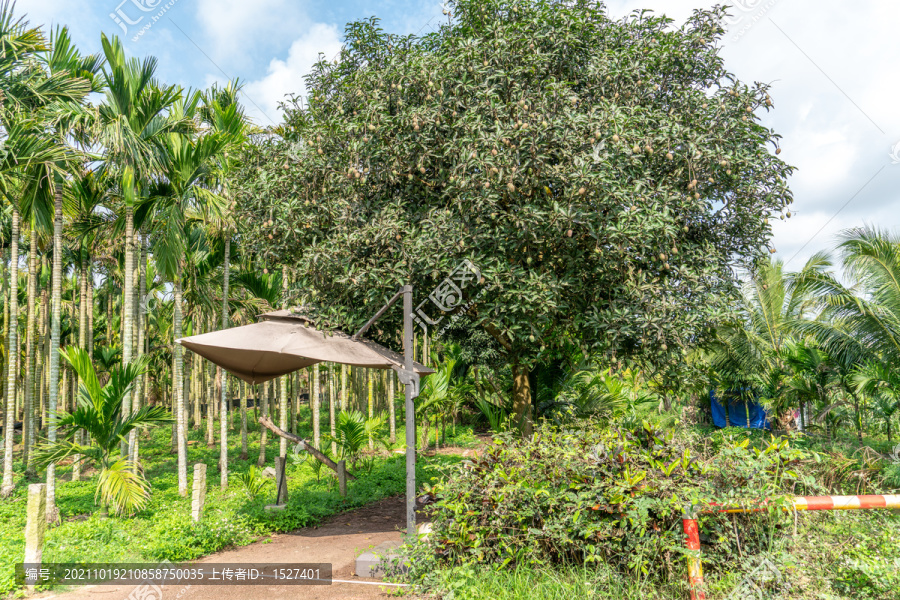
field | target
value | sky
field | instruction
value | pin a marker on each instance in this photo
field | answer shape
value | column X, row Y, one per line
column 831, row 64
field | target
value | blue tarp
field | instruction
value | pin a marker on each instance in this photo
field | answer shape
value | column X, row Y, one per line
column 737, row 414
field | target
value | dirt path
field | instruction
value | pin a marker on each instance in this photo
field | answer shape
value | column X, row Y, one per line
column 338, row 541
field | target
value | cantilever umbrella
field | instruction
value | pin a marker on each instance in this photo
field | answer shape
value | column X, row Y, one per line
column 282, row 343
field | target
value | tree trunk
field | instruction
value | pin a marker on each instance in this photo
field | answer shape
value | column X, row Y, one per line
column 343, row 387
column 90, row 308
column 370, row 380
column 243, row 420
column 82, row 343
column 221, row 376
column 296, row 390
column 314, row 406
column 264, row 412
column 331, row 408
column 55, row 331
column 212, row 398
column 28, row 423
column 522, row 399
column 196, row 374
column 42, row 355
column 392, row 408
column 12, row 356
column 140, row 311
column 173, row 406
column 282, row 413
column 858, row 419
column 4, row 285
column 178, row 381
column 128, row 309
column 109, row 307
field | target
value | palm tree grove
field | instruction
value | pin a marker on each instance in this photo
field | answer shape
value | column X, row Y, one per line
column 518, row 299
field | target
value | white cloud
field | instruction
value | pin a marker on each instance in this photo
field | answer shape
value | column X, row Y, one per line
column 286, row 76
column 237, row 30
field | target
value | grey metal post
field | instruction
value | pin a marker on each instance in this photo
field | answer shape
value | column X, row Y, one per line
column 410, row 416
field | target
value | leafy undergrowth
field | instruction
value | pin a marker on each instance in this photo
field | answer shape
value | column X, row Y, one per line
column 599, row 508
column 164, row 530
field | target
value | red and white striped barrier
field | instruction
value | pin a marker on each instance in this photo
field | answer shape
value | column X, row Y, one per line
column 692, row 531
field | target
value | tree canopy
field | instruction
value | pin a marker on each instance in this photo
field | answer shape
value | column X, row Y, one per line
column 606, row 177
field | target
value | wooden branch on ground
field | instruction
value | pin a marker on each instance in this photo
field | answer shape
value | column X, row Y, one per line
column 268, row 424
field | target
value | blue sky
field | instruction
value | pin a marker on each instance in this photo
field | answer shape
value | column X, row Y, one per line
column 832, row 65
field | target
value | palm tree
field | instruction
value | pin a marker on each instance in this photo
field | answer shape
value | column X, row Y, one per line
column 132, row 125
column 860, row 323
column 100, row 413
column 222, row 113
column 187, row 166
column 41, row 103
column 775, row 306
column 89, row 192
column 63, row 61
column 353, row 430
column 814, row 378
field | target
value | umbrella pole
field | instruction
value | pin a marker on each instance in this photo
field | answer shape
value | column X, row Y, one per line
column 410, row 416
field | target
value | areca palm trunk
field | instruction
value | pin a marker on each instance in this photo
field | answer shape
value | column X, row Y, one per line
column 370, row 379
column 135, row 335
column 223, row 382
column 331, row 417
column 211, row 398
column 28, row 423
column 178, row 383
column 55, row 326
column 12, row 356
column 243, row 420
column 296, row 379
column 264, row 412
column 314, row 405
column 128, row 309
column 283, row 380
column 392, row 409
column 282, row 412
column 42, row 354
column 343, row 387
column 140, row 387
column 82, row 342
column 4, row 285
column 90, row 309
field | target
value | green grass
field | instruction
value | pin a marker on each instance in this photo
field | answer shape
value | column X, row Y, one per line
column 164, row 530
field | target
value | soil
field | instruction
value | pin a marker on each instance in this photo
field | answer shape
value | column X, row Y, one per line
column 338, row 540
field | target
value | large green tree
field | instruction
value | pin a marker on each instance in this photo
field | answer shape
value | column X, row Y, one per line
column 604, row 176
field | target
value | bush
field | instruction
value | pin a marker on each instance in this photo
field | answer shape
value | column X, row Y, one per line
column 612, row 495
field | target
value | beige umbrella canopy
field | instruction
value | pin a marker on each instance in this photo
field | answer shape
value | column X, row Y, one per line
column 284, row 342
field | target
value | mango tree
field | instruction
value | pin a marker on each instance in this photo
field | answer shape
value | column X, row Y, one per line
column 605, row 177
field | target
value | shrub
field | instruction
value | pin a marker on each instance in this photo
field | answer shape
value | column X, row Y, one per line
column 611, row 495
